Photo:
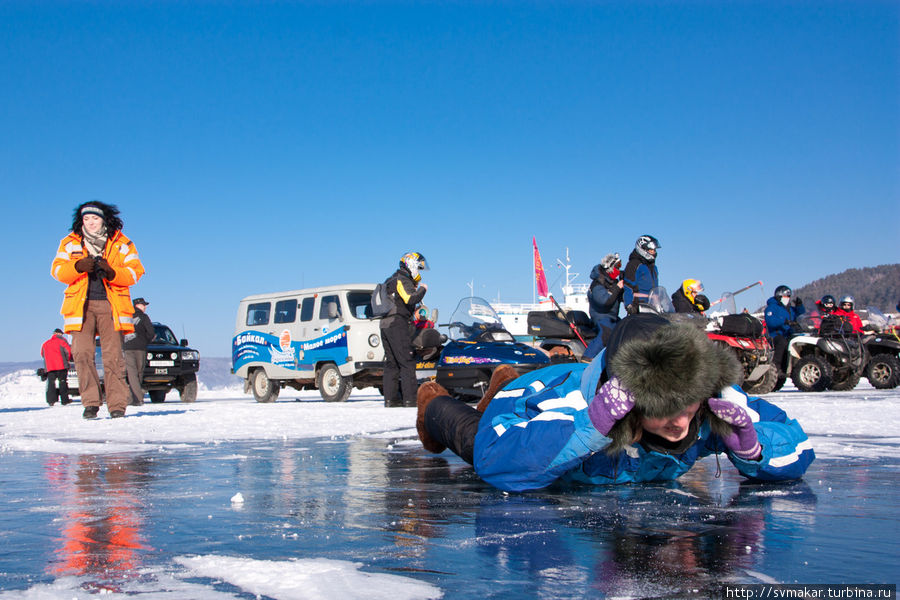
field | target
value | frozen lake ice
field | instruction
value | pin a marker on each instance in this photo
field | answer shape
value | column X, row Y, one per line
column 227, row 498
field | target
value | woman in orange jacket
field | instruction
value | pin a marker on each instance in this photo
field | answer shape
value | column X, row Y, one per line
column 98, row 263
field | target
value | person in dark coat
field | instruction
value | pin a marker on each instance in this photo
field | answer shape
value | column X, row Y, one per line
column 136, row 350
column 641, row 274
column 604, row 300
column 689, row 299
column 57, row 355
column 781, row 319
column 397, row 331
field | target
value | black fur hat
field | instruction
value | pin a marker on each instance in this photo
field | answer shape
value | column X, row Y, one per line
column 110, row 216
column 667, row 367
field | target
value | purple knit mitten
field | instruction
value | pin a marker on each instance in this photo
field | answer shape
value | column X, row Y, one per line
column 742, row 441
column 611, row 403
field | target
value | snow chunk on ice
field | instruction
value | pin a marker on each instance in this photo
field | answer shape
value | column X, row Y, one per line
column 301, row 579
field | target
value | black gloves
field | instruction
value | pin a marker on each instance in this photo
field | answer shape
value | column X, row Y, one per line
column 85, row 265
column 106, row 271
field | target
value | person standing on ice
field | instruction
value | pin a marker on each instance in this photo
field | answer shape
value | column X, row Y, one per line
column 135, row 345
column 657, row 399
column 641, row 274
column 98, row 264
column 397, row 331
column 604, row 300
column 781, row 318
column 57, row 355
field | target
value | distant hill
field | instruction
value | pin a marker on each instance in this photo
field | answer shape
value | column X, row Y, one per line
column 870, row 286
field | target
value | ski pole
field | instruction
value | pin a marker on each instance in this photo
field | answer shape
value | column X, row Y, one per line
column 566, row 317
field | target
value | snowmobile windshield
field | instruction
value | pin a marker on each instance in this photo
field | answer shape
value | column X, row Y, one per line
column 658, row 301
column 476, row 320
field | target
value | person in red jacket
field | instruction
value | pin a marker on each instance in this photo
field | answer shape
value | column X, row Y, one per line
column 57, row 355
column 846, row 313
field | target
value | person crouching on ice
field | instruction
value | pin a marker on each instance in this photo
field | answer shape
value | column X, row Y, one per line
column 657, row 399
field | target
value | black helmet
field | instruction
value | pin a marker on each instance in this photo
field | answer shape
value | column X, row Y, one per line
column 645, row 244
column 782, row 290
column 827, row 303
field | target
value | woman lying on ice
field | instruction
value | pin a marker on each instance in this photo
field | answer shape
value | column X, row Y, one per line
column 660, row 397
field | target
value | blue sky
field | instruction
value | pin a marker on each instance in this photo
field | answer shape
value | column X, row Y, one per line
column 256, row 147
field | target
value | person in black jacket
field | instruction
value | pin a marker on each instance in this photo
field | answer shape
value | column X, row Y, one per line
column 688, row 299
column 604, row 299
column 397, row 330
column 136, row 351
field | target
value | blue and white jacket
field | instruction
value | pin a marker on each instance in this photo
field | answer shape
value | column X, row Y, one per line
column 537, row 430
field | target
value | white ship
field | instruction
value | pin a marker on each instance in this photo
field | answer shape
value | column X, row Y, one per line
column 574, row 297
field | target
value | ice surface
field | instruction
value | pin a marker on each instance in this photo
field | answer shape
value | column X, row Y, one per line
column 340, row 501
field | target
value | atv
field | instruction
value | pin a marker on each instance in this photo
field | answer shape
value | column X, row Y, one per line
column 883, row 346
column 831, row 356
column 745, row 335
column 478, row 343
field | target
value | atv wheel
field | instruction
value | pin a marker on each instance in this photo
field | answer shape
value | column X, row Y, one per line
column 333, row 386
column 157, row 396
column 264, row 389
column 780, row 378
column 188, row 391
column 848, row 382
column 764, row 384
column 883, row 371
column 811, row 374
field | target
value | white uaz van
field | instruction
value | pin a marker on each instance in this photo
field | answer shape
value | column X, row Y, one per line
column 321, row 338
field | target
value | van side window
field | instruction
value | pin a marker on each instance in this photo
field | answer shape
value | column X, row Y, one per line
column 360, row 304
column 285, row 311
column 326, row 301
column 258, row 314
column 306, row 309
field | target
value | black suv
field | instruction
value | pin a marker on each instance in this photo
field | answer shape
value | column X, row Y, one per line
column 170, row 364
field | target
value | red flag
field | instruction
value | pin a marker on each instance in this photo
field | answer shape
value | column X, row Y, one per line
column 539, row 277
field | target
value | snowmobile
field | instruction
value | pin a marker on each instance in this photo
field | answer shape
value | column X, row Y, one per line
column 831, row 356
column 476, row 344
column 745, row 335
column 562, row 335
column 883, row 346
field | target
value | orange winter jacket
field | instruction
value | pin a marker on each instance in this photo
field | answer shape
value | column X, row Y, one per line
column 121, row 255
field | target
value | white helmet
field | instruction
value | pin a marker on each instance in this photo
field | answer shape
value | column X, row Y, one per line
column 414, row 262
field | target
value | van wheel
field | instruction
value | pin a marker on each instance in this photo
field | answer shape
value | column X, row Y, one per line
column 157, row 396
column 264, row 389
column 333, row 386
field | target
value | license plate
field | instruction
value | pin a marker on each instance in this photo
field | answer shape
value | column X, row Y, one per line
column 162, row 363
column 160, row 371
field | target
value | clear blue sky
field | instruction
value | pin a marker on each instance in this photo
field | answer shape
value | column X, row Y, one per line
column 258, row 147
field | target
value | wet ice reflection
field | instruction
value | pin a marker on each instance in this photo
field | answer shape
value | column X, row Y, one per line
column 315, row 512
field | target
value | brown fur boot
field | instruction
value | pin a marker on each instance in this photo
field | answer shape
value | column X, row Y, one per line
column 500, row 377
column 428, row 391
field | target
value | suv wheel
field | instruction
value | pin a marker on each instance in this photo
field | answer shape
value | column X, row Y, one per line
column 264, row 389
column 188, row 389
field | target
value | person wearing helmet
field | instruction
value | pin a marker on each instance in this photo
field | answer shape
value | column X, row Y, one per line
column 685, row 298
column 397, row 330
column 657, row 399
column 641, row 274
column 781, row 319
column 604, row 300
column 846, row 313
column 823, row 309
column 422, row 321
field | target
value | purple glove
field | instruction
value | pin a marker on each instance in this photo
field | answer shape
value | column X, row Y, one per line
column 742, row 440
column 611, row 403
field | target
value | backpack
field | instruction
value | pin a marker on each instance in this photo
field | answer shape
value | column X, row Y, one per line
column 381, row 300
